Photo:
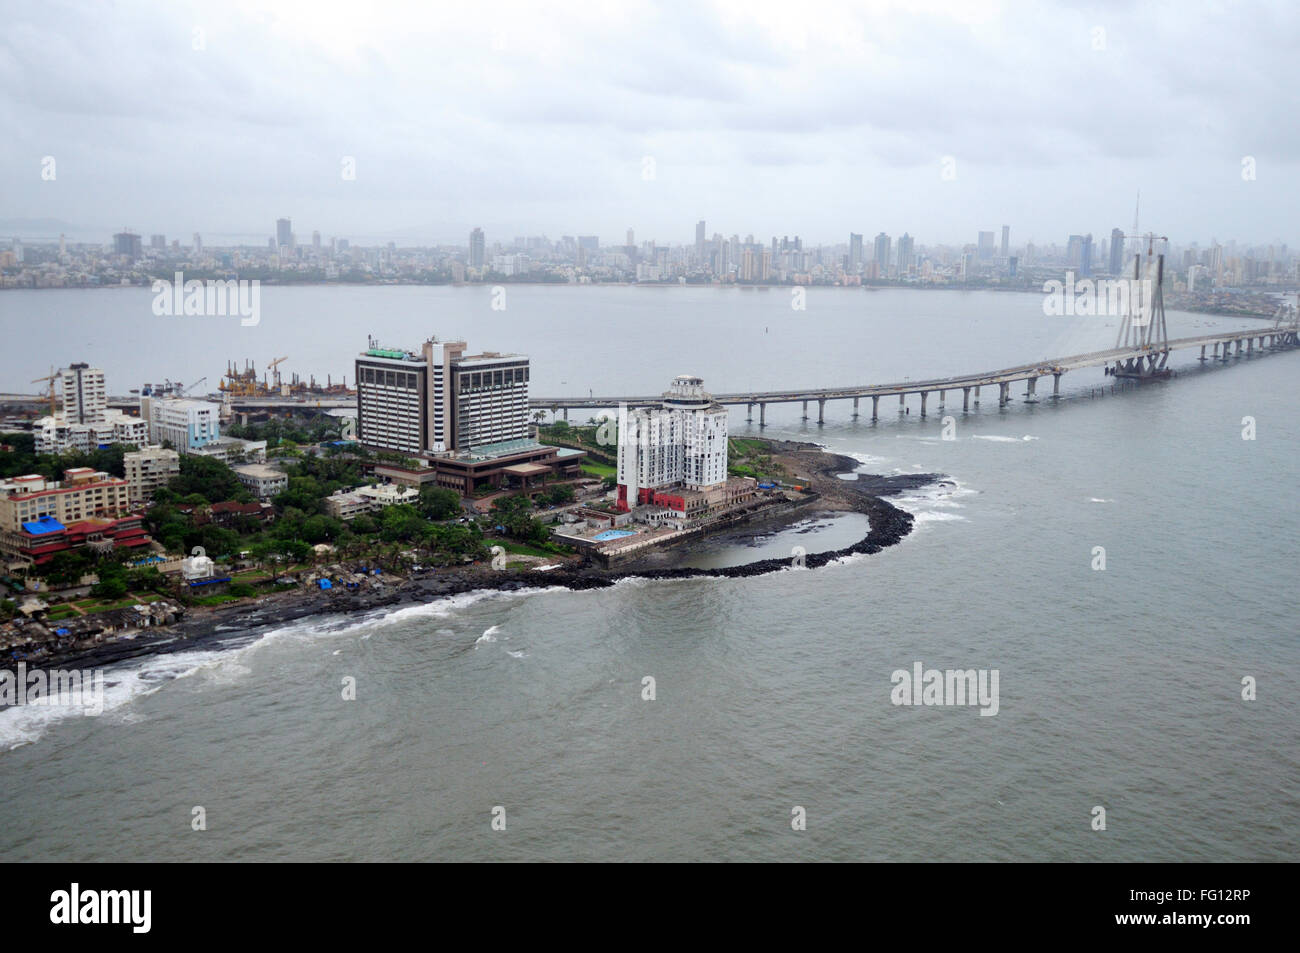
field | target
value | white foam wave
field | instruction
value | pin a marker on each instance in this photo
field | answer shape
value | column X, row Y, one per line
column 125, row 682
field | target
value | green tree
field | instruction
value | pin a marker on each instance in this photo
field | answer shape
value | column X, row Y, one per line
column 439, row 503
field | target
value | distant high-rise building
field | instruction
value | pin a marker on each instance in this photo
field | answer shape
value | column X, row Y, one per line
column 985, row 247
column 315, row 240
column 198, row 243
column 1006, row 241
column 882, row 253
column 128, row 244
column 18, row 250
column 699, row 241
column 158, row 242
column 906, row 256
column 589, row 243
column 631, row 238
column 1116, row 251
column 855, row 253
column 283, row 233
column 477, row 248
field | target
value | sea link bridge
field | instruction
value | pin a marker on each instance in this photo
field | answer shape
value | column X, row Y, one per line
column 1143, row 359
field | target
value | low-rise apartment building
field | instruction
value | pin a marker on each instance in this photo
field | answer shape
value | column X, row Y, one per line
column 149, row 469
column 348, row 504
column 263, row 481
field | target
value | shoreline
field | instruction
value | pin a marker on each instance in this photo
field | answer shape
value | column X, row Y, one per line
column 888, row 525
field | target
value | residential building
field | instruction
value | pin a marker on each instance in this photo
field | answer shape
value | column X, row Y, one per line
column 185, row 424
column 348, row 504
column 882, row 254
column 477, row 248
column 38, row 541
column 263, row 481
column 56, row 435
column 85, row 396
column 232, row 450
column 681, row 443
column 149, row 469
column 85, row 421
column 81, row 494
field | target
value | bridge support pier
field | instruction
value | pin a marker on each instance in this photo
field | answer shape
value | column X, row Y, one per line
column 1031, row 390
column 855, row 407
column 1056, row 387
column 978, row 388
column 566, row 415
column 1250, row 347
column 943, row 398
column 821, row 411
column 1238, row 347
column 1004, row 396
column 749, row 413
column 805, row 410
column 924, row 395
column 965, row 400
column 762, row 415
column 1202, row 353
column 901, row 405
column 875, row 408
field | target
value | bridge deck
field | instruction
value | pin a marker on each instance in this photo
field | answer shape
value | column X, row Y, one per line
column 1044, row 368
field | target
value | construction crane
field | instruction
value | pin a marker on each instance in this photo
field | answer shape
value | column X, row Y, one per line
column 271, row 367
column 50, row 379
column 192, row 386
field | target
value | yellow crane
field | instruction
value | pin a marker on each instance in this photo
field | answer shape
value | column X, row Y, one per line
column 50, row 378
column 271, row 367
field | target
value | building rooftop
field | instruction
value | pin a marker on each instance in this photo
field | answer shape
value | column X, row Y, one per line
column 44, row 526
column 502, row 448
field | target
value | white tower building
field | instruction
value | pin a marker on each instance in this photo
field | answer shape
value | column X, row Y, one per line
column 683, row 443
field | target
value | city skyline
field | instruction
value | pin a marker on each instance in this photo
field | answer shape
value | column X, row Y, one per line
column 912, row 119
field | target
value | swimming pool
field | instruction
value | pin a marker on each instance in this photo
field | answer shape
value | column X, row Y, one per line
column 612, row 534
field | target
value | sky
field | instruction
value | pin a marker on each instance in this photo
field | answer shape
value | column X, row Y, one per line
column 587, row 118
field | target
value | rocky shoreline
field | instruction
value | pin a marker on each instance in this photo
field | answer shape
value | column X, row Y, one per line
column 866, row 495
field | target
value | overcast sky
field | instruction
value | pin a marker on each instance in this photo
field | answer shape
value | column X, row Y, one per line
column 776, row 118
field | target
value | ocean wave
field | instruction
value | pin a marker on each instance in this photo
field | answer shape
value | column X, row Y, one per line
column 123, row 684
column 225, row 664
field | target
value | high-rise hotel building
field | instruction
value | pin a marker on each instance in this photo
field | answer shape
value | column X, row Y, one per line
column 683, row 442
column 440, row 400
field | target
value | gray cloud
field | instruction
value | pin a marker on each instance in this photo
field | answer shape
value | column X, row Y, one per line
column 816, row 118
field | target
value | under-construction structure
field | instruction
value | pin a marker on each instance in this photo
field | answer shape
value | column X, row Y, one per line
column 245, row 383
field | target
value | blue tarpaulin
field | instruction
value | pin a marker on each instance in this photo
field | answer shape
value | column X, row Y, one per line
column 325, row 584
column 44, row 525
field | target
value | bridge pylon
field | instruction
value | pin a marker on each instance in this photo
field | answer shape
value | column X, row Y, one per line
column 1144, row 328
